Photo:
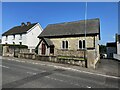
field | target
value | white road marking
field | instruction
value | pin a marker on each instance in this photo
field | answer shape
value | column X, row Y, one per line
column 4, row 66
column 88, row 72
column 88, row 87
column 32, row 73
column 103, row 75
column 62, row 81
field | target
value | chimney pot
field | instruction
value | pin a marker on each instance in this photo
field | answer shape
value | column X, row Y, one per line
column 22, row 24
column 28, row 23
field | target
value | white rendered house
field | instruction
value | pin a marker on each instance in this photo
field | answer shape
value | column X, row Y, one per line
column 117, row 55
column 118, row 45
column 25, row 34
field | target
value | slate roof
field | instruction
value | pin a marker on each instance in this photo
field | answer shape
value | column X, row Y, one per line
column 111, row 44
column 18, row 29
column 72, row 28
column 47, row 41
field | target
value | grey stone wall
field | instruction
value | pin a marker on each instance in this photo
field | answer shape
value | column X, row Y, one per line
column 74, row 53
column 7, row 51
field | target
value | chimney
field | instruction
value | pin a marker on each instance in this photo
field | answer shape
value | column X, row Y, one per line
column 28, row 23
column 22, row 24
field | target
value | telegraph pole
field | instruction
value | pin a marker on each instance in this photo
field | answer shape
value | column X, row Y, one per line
column 85, row 34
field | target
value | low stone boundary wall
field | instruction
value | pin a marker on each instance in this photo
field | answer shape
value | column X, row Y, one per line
column 116, row 56
column 74, row 53
column 27, row 55
column 55, row 59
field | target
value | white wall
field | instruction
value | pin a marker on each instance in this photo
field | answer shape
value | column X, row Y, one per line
column 17, row 40
column 117, row 56
column 31, row 36
column 118, row 48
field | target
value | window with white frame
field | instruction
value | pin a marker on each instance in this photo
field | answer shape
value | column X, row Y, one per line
column 84, row 44
column 13, row 43
column 6, row 38
column 13, row 37
column 20, row 43
column 81, row 44
column 20, row 36
column 64, row 44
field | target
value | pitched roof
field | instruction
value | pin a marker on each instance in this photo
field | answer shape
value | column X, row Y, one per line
column 18, row 29
column 72, row 28
column 111, row 44
column 48, row 41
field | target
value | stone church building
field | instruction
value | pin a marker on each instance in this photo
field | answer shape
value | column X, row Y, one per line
column 69, row 39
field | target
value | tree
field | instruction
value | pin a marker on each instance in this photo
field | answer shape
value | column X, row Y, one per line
column 102, row 49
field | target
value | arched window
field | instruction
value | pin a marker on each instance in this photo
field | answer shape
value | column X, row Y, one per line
column 83, row 43
column 80, row 44
column 66, row 44
column 63, row 44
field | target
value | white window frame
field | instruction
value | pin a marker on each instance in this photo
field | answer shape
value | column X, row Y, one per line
column 13, row 37
column 82, row 44
column 64, row 44
column 20, row 37
column 6, row 38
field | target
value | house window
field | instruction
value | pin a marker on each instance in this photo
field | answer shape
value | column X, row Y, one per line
column 20, row 36
column 20, row 43
column 83, row 43
column 6, row 38
column 13, row 42
column 13, row 37
column 64, row 44
column 80, row 44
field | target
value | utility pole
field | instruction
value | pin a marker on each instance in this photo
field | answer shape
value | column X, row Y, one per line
column 85, row 51
column 85, row 23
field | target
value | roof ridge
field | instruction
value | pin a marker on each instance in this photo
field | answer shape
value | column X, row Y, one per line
column 74, row 21
column 18, row 29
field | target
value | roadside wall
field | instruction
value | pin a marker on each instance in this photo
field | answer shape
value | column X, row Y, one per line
column 116, row 56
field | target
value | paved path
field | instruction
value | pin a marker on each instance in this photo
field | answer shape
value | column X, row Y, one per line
column 19, row 73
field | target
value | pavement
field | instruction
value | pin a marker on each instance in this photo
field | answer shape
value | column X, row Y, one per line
column 22, row 73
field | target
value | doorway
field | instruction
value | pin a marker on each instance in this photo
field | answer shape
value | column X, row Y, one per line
column 43, row 49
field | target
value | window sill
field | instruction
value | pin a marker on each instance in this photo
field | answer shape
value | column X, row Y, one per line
column 64, row 49
column 81, row 49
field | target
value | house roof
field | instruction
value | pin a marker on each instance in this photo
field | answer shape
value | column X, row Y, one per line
column 111, row 44
column 72, row 28
column 47, row 41
column 18, row 30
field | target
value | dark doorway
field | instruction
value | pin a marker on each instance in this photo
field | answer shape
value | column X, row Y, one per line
column 43, row 49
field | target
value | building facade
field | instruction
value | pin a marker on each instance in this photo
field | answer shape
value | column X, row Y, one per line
column 111, row 49
column 69, row 39
column 118, row 44
column 25, row 34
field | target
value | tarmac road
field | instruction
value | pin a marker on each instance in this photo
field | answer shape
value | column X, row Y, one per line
column 20, row 74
